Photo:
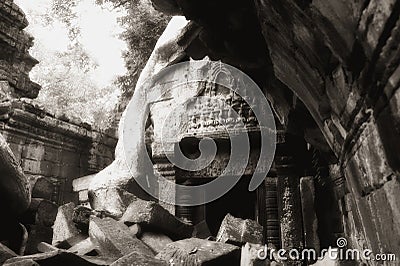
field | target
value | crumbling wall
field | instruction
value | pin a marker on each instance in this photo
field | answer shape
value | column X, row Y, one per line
column 47, row 147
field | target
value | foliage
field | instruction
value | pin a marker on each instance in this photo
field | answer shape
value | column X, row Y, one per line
column 67, row 77
column 143, row 26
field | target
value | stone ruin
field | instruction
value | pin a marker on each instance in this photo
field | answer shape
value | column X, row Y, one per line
column 330, row 72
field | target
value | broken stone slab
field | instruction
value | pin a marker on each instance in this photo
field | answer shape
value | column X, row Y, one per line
column 150, row 214
column 40, row 212
column 37, row 234
column 138, row 259
column 156, row 241
column 6, row 253
column 83, row 247
column 251, row 255
column 59, row 257
column 114, row 238
column 72, row 241
column 26, row 262
column 64, row 227
column 195, row 251
column 238, row 231
column 42, row 188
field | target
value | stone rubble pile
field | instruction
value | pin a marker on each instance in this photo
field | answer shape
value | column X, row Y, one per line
column 146, row 234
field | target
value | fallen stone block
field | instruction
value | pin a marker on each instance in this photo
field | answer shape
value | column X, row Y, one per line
column 59, row 257
column 70, row 242
column 45, row 247
column 114, row 238
column 251, row 255
column 83, row 247
column 26, row 262
column 6, row 253
column 40, row 212
column 149, row 214
column 195, row 251
column 42, row 188
column 238, row 231
column 156, row 241
column 64, row 227
column 137, row 259
column 38, row 234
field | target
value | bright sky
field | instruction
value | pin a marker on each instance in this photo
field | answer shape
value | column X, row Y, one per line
column 99, row 35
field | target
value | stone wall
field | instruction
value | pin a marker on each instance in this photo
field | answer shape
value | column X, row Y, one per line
column 53, row 149
column 50, row 148
column 15, row 61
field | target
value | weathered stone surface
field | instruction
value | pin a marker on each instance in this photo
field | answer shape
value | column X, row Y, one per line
column 6, row 253
column 194, row 251
column 42, row 188
column 64, row 227
column 151, row 214
column 138, row 259
column 83, row 247
column 238, row 231
column 38, row 234
column 27, row 262
column 114, row 238
column 59, row 257
column 249, row 255
column 310, row 221
column 40, row 212
column 156, row 241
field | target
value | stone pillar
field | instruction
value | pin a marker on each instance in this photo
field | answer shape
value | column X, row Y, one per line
column 272, row 217
column 167, row 172
column 289, row 202
column 310, row 221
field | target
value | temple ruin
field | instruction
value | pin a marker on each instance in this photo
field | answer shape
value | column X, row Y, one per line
column 330, row 71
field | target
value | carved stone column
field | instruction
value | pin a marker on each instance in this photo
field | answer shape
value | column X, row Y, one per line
column 290, row 212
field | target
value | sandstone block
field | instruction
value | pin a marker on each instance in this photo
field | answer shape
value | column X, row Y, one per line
column 42, row 188
column 138, row 259
column 156, row 241
column 151, row 215
column 58, row 257
column 6, row 253
column 40, row 212
column 38, row 234
column 64, row 227
column 238, row 231
column 114, row 238
column 195, row 251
